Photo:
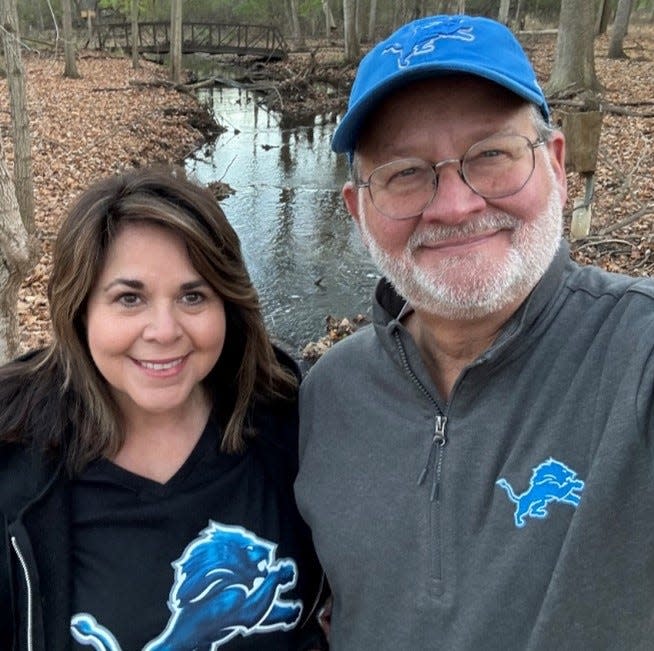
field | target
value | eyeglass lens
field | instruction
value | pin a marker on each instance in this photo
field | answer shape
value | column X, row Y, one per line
column 495, row 167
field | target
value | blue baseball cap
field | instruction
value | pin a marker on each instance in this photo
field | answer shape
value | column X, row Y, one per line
column 437, row 45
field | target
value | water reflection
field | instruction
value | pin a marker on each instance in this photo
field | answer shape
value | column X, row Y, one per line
column 301, row 247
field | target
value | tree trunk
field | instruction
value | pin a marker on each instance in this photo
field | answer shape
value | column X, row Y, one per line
column 350, row 36
column 328, row 27
column 41, row 19
column 574, row 63
column 298, row 34
column 519, row 20
column 135, row 34
column 89, row 28
column 372, row 21
column 461, row 6
column 176, row 41
column 19, row 114
column 602, row 18
column 15, row 262
column 503, row 14
column 330, row 23
column 357, row 19
column 70, row 65
column 620, row 25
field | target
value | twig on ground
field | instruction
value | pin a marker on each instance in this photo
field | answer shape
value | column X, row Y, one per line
column 645, row 210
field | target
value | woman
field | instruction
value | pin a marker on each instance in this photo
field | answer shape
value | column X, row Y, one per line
column 147, row 455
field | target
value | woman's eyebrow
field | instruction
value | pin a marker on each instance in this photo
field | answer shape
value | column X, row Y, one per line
column 134, row 284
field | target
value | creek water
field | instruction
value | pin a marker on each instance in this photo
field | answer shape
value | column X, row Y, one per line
column 301, row 247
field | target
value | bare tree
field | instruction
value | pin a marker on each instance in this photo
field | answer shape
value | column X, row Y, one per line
column 574, row 63
column 70, row 65
column 503, row 14
column 135, row 34
column 16, row 201
column 519, row 19
column 19, row 113
column 351, row 38
column 176, row 41
column 328, row 16
column 298, row 34
column 15, row 262
column 602, row 17
column 620, row 25
column 372, row 21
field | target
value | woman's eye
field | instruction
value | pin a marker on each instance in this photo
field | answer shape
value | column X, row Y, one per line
column 129, row 300
column 193, row 298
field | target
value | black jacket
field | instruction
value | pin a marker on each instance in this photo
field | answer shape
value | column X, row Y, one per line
column 36, row 538
column 34, row 533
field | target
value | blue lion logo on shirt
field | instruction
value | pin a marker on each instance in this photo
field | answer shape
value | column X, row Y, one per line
column 227, row 583
column 426, row 37
column 551, row 481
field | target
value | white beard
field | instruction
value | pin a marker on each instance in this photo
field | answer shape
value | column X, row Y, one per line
column 471, row 286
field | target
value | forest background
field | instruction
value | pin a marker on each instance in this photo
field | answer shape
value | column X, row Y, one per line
column 111, row 114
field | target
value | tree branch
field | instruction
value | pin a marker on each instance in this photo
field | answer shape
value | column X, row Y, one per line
column 645, row 210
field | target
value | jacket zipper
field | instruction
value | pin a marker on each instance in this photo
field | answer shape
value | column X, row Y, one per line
column 437, row 443
column 439, row 439
column 28, row 583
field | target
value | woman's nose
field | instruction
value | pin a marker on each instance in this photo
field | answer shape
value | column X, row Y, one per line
column 162, row 325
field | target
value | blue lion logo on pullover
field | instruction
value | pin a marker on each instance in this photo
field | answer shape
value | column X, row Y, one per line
column 551, row 481
column 227, row 583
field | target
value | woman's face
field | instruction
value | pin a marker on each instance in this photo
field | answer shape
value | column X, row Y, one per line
column 155, row 327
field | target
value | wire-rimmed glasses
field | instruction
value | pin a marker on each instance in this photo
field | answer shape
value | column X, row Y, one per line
column 493, row 168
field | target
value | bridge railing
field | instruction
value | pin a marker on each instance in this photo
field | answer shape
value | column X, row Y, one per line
column 197, row 37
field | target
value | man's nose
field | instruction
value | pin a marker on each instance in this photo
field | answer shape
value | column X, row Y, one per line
column 454, row 200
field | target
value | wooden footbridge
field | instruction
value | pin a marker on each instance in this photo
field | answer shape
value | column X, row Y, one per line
column 211, row 38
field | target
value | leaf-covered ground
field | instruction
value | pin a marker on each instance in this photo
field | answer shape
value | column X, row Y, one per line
column 115, row 117
column 83, row 129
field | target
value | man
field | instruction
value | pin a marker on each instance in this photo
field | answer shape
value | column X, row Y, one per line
column 477, row 466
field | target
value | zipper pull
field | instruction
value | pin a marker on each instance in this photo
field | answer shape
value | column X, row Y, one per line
column 437, row 441
column 435, row 489
column 439, row 431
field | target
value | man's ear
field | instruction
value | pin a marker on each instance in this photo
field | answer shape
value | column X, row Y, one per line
column 351, row 198
column 556, row 152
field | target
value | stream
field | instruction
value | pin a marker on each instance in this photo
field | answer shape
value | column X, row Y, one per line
column 301, row 247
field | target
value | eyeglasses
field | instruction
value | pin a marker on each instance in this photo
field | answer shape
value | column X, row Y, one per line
column 493, row 168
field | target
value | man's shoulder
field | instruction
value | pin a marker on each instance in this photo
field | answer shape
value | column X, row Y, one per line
column 621, row 306
column 347, row 351
column 599, row 282
column 343, row 363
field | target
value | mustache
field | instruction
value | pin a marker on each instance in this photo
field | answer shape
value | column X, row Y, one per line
column 483, row 224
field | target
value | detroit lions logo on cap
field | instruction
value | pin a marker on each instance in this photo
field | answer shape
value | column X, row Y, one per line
column 425, row 37
column 551, row 481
